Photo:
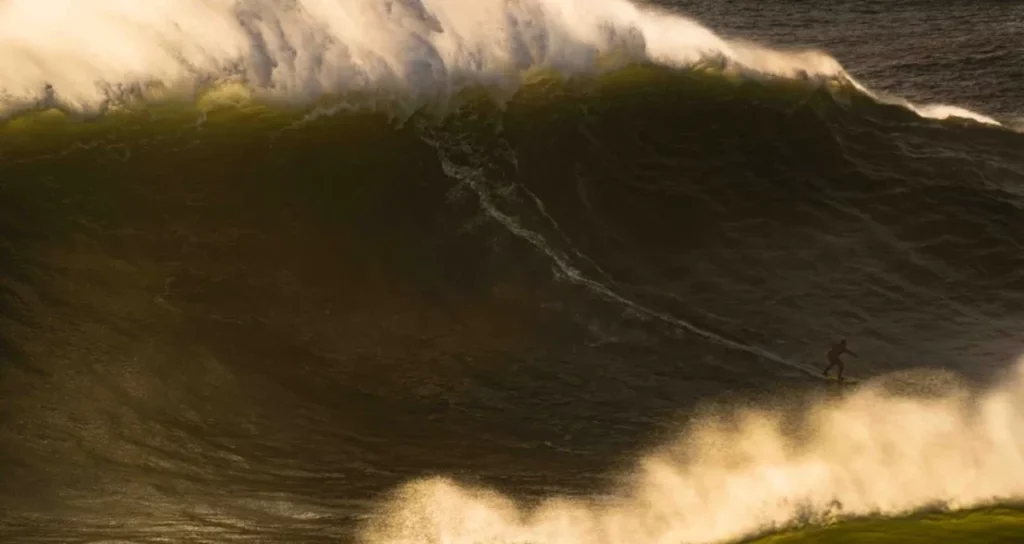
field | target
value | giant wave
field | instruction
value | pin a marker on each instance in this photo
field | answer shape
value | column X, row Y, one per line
column 703, row 210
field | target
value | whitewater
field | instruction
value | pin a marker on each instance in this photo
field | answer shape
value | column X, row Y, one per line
column 738, row 473
column 91, row 56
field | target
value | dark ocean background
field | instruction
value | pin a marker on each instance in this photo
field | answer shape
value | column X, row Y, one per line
column 512, row 317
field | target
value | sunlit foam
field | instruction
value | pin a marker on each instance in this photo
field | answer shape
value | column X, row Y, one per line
column 874, row 452
column 83, row 55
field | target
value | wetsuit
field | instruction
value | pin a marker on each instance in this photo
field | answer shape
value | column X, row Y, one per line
column 834, row 360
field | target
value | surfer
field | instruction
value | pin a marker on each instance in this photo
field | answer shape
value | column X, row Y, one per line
column 837, row 349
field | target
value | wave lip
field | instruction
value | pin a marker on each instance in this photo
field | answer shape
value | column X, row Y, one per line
column 85, row 56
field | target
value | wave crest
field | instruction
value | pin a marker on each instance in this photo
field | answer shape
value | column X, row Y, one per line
column 82, row 56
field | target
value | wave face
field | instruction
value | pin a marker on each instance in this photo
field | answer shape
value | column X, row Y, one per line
column 522, row 271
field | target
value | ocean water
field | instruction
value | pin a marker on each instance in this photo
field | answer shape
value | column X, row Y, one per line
column 535, row 271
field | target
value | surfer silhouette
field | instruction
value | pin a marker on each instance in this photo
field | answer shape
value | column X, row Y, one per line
column 837, row 349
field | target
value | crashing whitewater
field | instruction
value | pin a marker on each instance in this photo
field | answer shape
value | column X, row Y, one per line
column 91, row 56
column 880, row 450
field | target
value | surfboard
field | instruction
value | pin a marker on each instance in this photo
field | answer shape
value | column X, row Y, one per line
column 845, row 381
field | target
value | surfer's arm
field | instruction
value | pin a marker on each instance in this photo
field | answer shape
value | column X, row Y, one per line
column 852, row 353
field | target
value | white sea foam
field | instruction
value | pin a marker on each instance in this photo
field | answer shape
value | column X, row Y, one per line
column 875, row 452
column 82, row 54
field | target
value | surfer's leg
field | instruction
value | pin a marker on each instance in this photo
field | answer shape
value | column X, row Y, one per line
column 840, row 370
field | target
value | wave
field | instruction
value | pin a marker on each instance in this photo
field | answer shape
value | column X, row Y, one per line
column 88, row 56
column 613, row 187
column 900, row 444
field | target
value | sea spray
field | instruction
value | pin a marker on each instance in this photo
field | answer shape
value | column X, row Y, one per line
column 83, row 56
column 731, row 475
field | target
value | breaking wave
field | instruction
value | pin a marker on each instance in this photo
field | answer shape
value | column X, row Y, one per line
column 89, row 56
column 276, row 314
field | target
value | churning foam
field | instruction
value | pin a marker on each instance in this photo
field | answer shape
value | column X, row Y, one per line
column 82, row 55
column 873, row 452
